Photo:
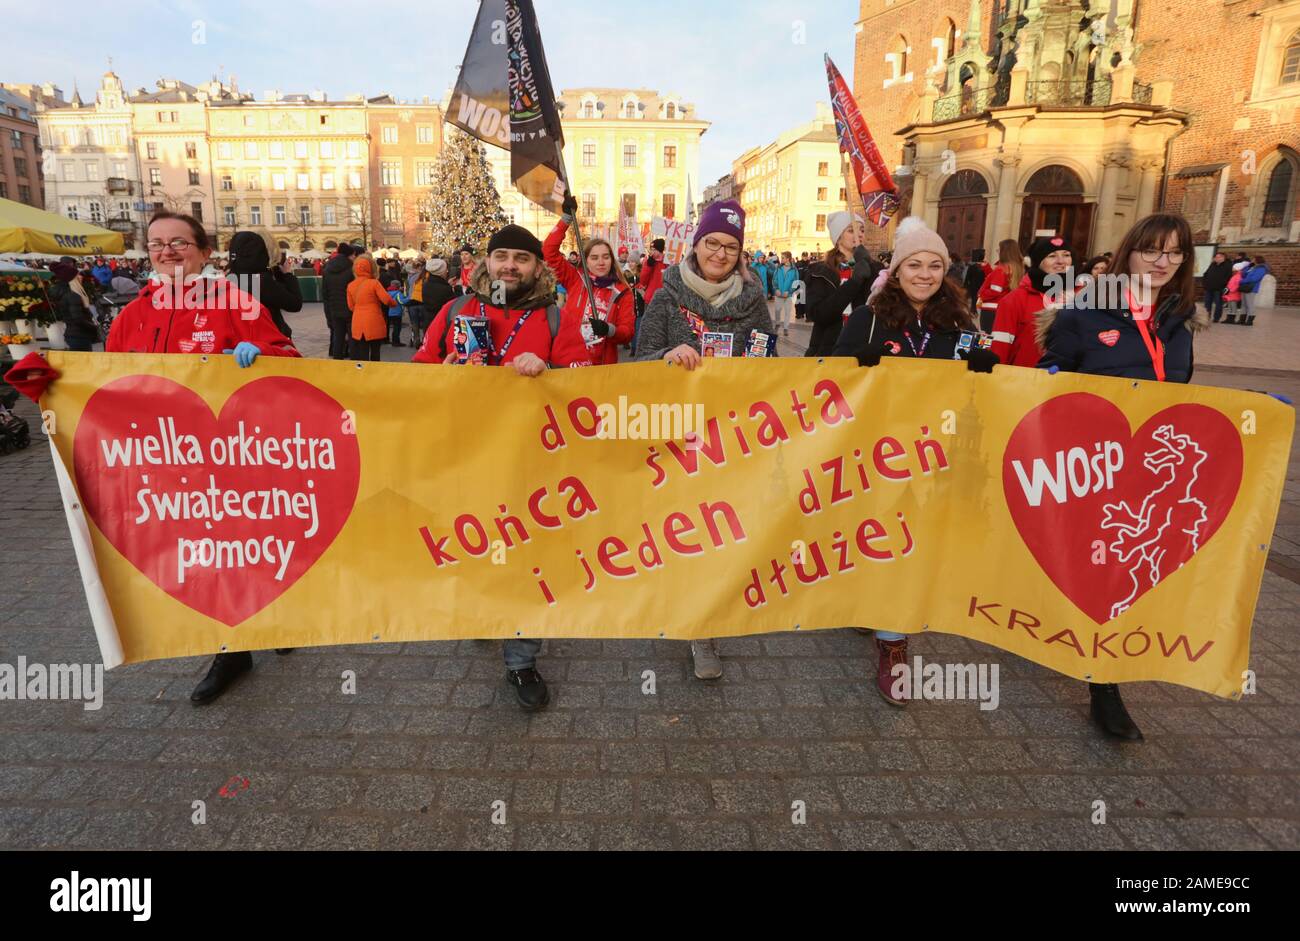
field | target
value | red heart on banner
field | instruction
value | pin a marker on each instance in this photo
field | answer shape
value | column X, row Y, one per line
column 222, row 513
column 1110, row 514
column 1109, row 337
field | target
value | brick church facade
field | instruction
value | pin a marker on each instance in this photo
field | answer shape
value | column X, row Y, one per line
column 1011, row 118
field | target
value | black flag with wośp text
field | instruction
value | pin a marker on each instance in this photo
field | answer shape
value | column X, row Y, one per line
column 504, row 98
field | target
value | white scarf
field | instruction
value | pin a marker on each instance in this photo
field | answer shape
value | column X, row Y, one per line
column 715, row 293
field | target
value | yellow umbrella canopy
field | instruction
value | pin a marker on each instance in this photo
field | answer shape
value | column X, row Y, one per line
column 26, row 229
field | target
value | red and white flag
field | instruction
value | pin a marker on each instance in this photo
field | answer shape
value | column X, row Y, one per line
column 879, row 192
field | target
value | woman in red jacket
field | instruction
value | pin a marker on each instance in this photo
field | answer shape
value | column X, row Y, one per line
column 1046, row 283
column 190, row 311
column 1006, row 274
column 613, row 321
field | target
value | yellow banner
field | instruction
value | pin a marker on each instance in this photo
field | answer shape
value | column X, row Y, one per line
column 1110, row 530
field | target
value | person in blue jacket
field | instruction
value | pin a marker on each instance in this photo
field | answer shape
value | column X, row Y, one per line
column 101, row 272
column 1251, row 279
column 760, row 268
column 784, row 280
column 1144, row 331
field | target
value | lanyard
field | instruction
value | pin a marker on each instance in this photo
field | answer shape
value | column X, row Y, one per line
column 925, row 341
column 1155, row 348
column 514, row 332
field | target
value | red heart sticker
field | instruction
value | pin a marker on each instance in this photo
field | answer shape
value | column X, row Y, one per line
column 1110, row 515
column 1058, row 242
column 1109, row 337
column 223, row 513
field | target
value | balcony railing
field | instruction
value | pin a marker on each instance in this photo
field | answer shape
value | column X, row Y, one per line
column 1069, row 94
column 1141, row 93
column 965, row 104
column 117, row 184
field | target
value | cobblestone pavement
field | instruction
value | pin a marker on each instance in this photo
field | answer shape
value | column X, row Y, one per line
column 416, row 758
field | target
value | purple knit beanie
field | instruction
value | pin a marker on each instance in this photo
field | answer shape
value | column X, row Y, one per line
column 725, row 218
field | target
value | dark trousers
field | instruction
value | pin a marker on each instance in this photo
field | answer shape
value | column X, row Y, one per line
column 340, row 338
column 80, row 344
column 367, row 351
column 1214, row 305
column 395, row 330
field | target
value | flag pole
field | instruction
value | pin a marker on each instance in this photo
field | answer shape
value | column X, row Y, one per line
column 577, row 236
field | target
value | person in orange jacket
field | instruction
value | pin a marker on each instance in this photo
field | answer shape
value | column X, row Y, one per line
column 613, row 321
column 367, row 300
column 1047, row 283
column 1006, row 274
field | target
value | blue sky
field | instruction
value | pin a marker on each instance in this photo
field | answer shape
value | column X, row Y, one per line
column 739, row 63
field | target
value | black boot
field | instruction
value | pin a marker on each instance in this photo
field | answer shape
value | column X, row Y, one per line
column 529, row 687
column 1230, row 319
column 1109, row 713
column 225, row 668
column 1250, row 320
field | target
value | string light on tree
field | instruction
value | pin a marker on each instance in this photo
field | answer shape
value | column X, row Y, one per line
column 464, row 204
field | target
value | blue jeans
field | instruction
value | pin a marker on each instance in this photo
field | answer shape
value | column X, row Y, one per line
column 1214, row 305
column 889, row 635
column 521, row 653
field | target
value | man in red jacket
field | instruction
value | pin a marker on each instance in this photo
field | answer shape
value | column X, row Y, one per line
column 1047, row 282
column 529, row 334
column 523, row 334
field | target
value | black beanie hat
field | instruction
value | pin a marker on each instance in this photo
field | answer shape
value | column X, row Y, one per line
column 515, row 237
column 465, row 248
column 1040, row 249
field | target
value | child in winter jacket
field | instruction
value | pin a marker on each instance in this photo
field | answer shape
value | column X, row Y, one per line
column 1232, row 295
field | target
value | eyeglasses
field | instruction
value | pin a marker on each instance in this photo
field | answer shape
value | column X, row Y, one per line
column 1151, row 257
column 176, row 245
column 713, row 247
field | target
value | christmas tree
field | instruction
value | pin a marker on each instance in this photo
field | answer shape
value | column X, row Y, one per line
column 464, row 204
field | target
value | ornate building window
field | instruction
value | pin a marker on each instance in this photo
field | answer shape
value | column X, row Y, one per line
column 1279, row 194
column 1291, row 60
column 1055, row 180
column 966, row 183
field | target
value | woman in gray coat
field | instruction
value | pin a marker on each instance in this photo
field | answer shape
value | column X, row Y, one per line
column 711, row 291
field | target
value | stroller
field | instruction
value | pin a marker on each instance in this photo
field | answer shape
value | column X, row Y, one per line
column 15, row 435
column 107, row 306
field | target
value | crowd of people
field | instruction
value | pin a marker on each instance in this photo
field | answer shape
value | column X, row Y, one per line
column 523, row 304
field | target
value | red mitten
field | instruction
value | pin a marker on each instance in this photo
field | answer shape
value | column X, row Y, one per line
column 30, row 375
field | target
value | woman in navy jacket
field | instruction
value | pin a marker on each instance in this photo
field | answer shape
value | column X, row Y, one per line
column 1145, row 331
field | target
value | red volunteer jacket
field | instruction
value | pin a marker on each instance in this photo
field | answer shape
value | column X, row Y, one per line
column 652, row 277
column 1014, row 337
column 623, row 315
column 224, row 318
column 568, row 349
column 994, row 289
